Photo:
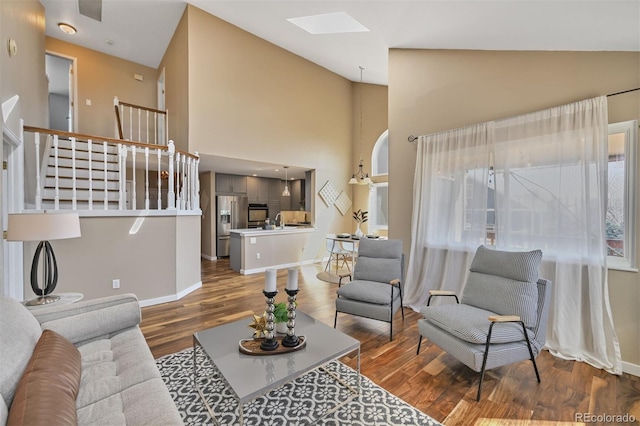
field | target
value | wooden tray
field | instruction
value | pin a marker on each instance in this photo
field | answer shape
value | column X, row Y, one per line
column 252, row 346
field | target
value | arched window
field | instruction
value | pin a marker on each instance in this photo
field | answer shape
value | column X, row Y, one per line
column 380, row 155
column 378, row 194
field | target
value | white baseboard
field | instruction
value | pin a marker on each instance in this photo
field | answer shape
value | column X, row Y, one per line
column 204, row 256
column 171, row 297
column 633, row 369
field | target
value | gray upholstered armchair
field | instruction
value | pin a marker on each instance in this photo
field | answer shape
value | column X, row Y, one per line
column 502, row 317
column 378, row 281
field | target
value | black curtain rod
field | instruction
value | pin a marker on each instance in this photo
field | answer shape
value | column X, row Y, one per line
column 625, row 91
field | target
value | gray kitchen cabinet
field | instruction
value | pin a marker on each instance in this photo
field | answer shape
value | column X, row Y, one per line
column 258, row 189
column 231, row 184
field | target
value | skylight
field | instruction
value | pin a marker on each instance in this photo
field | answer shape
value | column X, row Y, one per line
column 329, row 23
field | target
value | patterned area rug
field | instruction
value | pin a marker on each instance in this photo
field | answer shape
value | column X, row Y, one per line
column 300, row 402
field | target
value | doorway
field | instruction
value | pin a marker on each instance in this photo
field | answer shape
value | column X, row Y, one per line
column 60, row 72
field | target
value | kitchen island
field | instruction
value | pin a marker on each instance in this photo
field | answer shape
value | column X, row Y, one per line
column 254, row 250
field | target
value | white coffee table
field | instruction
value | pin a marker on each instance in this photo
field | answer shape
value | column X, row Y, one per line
column 248, row 379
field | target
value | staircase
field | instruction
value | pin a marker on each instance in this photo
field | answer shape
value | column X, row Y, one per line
column 89, row 193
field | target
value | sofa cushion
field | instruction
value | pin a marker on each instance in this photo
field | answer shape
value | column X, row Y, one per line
column 471, row 324
column 368, row 291
column 112, row 365
column 47, row 391
column 19, row 334
column 518, row 266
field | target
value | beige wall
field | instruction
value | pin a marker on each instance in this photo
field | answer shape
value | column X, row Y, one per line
column 209, row 216
column 375, row 115
column 253, row 100
column 176, row 67
column 22, row 75
column 187, row 260
column 100, row 78
column 435, row 90
column 163, row 263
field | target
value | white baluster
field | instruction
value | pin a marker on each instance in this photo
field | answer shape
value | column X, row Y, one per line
column 146, row 178
column 122, row 167
column 133, row 184
column 139, row 124
column 56, row 176
column 38, row 193
column 130, row 123
column 159, row 152
column 171, row 200
column 188, row 196
column 178, row 185
column 90, row 175
column 74, row 194
column 183, row 197
column 147, row 126
column 155, row 128
column 166, row 127
column 196, row 195
column 106, row 189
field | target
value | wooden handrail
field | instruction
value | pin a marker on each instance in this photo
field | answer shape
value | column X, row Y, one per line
column 102, row 139
column 119, row 122
column 141, row 107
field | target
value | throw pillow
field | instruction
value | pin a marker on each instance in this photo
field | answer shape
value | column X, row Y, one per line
column 47, row 391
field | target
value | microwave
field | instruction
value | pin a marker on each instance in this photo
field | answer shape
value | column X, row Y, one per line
column 258, row 213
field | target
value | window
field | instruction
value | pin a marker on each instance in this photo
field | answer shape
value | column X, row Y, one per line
column 622, row 187
column 379, row 191
column 378, row 206
column 380, row 155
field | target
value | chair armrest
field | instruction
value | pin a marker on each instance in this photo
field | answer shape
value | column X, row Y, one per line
column 91, row 319
column 442, row 293
column 394, row 282
column 341, row 276
column 504, row 318
column 434, row 293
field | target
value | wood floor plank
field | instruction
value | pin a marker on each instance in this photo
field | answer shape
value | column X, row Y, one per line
column 433, row 381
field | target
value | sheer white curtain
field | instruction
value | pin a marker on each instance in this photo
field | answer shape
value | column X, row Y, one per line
column 449, row 213
column 551, row 175
column 547, row 182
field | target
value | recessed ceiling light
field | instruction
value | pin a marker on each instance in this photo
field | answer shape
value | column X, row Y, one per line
column 329, row 23
column 66, row 28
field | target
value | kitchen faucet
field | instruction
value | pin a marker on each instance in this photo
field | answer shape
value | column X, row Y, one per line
column 281, row 220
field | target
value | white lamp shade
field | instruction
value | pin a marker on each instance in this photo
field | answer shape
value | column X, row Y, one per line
column 43, row 226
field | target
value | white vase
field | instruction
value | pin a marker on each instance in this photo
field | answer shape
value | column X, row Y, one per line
column 281, row 327
column 359, row 232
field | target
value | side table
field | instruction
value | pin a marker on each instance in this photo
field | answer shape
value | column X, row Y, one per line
column 65, row 298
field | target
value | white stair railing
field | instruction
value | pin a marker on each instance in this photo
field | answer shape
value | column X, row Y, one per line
column 135, row 121
column 77, row 168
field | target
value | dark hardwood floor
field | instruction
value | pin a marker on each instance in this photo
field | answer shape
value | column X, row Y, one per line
column 433, row 381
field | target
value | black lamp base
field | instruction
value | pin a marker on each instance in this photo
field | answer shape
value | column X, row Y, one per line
column 43, row 300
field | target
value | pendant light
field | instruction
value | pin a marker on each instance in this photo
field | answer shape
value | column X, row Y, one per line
column 360, row 177
column 286, row 192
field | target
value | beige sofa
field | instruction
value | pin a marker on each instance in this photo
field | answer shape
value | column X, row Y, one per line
column 85, row 363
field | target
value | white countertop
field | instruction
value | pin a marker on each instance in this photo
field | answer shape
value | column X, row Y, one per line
column 256, row 232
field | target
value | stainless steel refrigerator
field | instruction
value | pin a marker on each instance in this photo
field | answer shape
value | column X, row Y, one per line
column 232, row 213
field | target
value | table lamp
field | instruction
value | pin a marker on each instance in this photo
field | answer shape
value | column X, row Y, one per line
column 43, row 227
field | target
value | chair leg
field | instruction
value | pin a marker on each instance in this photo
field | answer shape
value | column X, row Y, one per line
column 391, row 330
column 533, row 360
column 484, row 362
column 335, row 320
column 419, row 343
column 401, row 302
